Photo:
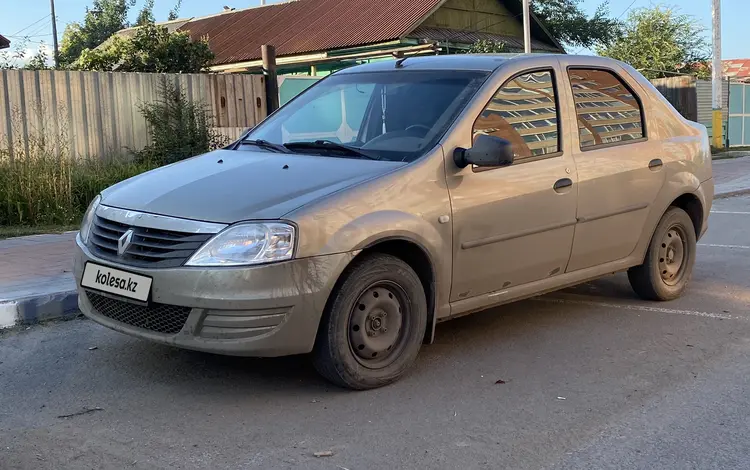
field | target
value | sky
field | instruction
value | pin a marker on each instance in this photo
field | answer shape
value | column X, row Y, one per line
column 32, row 17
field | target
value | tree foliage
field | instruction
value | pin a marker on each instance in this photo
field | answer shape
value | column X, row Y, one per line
column 38, row 61
column 152, row 49
column 18, row 57
column 146, row 15
column 660, row 42
column 104, row 19
column 486, row 46
column 570, row 25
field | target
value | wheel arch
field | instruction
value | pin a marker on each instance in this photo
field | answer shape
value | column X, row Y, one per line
column 691, row 204
column 417, row 257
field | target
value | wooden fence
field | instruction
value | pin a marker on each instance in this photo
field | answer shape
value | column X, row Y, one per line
column 680, row 91
column 96, row 114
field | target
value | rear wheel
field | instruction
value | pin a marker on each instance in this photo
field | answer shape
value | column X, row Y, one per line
column 668, row 265
column 374, row 326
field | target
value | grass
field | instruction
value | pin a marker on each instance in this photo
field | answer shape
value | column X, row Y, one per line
column 24, row 230
column 47, row 190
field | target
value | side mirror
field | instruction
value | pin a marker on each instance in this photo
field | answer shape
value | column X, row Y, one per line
column 488, row 150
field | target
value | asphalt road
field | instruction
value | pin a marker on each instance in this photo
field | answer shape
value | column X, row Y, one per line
column 594, row 378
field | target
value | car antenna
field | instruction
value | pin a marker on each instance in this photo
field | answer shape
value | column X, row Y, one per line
column 401, row 58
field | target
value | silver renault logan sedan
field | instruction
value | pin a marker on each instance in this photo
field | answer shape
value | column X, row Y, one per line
column 392, row 196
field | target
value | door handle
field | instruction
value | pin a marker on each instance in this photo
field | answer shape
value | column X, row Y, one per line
column 655, row 164
column 562, row 184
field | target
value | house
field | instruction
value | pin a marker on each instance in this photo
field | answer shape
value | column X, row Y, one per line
column 319, row 36
column 736, row 70
column 4, row 42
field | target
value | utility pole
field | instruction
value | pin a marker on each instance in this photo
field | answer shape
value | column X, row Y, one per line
column 54, row 33
column 718, row 134
column 527, row 27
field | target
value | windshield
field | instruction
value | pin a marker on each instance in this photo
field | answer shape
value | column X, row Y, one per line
column 396, row 115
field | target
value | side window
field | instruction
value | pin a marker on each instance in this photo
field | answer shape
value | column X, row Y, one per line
column 524, row 112
column 607, row 110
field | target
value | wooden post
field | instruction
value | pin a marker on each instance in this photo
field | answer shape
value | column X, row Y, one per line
column 268, row 53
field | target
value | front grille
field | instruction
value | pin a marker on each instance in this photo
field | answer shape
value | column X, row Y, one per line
column 161, row 318
column 150, row 248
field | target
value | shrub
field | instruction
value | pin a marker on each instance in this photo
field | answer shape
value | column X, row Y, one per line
column 178, row 128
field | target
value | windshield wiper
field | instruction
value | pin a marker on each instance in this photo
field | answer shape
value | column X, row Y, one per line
column 329, row 145
column 264, row 144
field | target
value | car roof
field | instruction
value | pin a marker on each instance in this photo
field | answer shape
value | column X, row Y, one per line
column 479, row 62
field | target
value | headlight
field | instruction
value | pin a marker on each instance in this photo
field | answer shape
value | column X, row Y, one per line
column 88, row 219
column 245, row 244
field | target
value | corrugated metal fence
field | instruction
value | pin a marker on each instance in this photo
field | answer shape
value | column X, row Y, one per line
column 97, row 113
column 704, row 93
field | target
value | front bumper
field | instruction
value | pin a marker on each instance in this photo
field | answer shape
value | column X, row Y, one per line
column 267, row 310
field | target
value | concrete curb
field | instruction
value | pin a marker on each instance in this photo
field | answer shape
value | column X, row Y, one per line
column 31, row 310
column 736, row 192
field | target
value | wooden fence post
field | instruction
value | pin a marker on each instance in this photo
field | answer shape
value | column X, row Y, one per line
column 268, row 53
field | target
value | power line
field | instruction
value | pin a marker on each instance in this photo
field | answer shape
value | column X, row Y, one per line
column 29, row 36
column 29, row 26
column 628, row 8
column 41, row 28
column 621, row 15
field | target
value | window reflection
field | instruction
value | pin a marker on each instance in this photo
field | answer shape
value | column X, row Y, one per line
column 607, row 111
column 524, row 112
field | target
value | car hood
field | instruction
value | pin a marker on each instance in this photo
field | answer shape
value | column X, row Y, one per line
column 228, row 186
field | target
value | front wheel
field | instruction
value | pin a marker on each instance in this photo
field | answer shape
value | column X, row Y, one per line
column 373, row 329
column 665, row 272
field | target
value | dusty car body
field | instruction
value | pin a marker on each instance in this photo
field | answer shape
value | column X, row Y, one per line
column 533, row 174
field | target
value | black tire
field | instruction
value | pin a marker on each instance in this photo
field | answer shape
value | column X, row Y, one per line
column 353, row 348
column 660, row 277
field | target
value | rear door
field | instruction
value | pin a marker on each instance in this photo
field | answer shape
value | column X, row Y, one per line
column 620, row 172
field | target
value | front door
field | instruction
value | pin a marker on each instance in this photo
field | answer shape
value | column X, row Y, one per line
column 619, row 170
column 513, row 225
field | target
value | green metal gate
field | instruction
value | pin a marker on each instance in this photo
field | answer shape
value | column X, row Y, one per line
column 739, row 114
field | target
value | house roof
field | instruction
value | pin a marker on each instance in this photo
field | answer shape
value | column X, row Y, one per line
column 4, row 42
column 305, row 26
column 738, row 69
column 470, row 37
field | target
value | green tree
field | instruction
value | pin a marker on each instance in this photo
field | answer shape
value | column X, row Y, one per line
column 146, row 15
column 570, row 25
column 486, row 46
column 38, row 61
column 152, row 49
column 104, row 19
column 174, row 12
column 17, row 57
column 661, row 42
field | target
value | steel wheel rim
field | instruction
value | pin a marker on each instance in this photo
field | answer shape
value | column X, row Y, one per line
column 673, row 255
column 379, row 324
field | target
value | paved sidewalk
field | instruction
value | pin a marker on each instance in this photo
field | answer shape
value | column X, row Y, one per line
column 35, row 272
column 35, row 278
column 732, row 176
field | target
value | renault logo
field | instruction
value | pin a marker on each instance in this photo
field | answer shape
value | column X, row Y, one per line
column 124, row 242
